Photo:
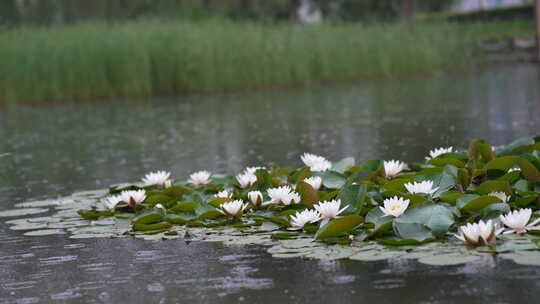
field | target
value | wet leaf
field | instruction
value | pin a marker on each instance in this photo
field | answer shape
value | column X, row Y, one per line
column 355, row 197
column 205, row 211
column 44, row 232
column 183, row 207
column 480, row 202
column 21, row 212
column 151, row 227
column 531, row 258
column 338, row 226
column 331, row 179
column 148, row 217
column 343, row 165
column 448, row 259
column 375, row 255
column 307, row 193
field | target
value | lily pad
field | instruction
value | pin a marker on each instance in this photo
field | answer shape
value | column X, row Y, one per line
column 44, row 232
column 375, row 255
column 338, row 226
column 524, row 258
column 448, row 259
column 21, row 212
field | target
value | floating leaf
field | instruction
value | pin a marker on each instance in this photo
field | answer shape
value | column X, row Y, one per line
column 307, row 193
column 331, row 179
column 343, row 165
column 509, row 149
column 480, row 202
column 44, row 232
column 94, row 214
column 151, row 227
column 375, row 255
column 338, row 226
column 402, row 242
column 531, row 258
column 21, row 212
column 448, row 259
column 180, row 218
column 284, row 235
column 176, row 192
column 367, row 171
column 354, row 196
column 381, row 222
column 494, row 186
column 206, row 211
column 183, row 207
column 158, row 198
column 436, row 218
column 148, row 217
column 441, row 162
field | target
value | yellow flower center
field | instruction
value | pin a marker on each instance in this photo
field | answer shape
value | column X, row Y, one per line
column 395, row 207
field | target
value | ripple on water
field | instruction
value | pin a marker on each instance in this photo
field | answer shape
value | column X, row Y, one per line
column 237, row 258
column 58, row 259
column 29, row 300
column 155, row 287
column 19, row 285
column 148, row 255
column 74, row 246
column 389, row 283
column 343, row 279
column 97, row 266
column 66, row 295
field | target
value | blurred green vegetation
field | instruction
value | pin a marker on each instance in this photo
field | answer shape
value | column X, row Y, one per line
column 150, row 57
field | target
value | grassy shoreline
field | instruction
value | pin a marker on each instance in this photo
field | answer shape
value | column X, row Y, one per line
column 146, row 58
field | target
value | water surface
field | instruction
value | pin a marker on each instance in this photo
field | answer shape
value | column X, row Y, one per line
column 55, row 150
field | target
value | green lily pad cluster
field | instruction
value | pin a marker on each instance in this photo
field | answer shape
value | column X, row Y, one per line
column 464, row 181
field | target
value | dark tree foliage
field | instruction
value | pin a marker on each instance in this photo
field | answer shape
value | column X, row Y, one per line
column 69, row 11
column 8, row 12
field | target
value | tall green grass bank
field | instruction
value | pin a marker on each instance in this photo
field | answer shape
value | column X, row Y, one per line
column 151, row 57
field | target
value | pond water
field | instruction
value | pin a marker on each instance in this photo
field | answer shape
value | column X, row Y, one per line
column 49, row 151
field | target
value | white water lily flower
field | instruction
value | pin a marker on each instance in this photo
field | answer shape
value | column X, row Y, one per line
column 300, row 219
column 314, row 181
column 200, row 178
column 439, row 151
column 255, row 197
column 168, row 183
column 160, row 206
column 111, row 201
column 500, row 195
column 425, row 187
column 518, row 221
column 292, row 198
column 514, row 169
column 394, row 206
column 329, row 210
column 234, row 208
column 133, row 197
column 224, row 194
column 316, row 163
column 158, row 178
column 246, row 180
column 393, row 167
column 479, row 234
column 252, row 170
column 283, row 195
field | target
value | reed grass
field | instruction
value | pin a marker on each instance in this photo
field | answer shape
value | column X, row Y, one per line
column 149, row 57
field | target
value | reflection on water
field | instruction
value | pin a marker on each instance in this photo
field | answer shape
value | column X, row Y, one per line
column 70, row 147
column 56, row 150
column 135, row 271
